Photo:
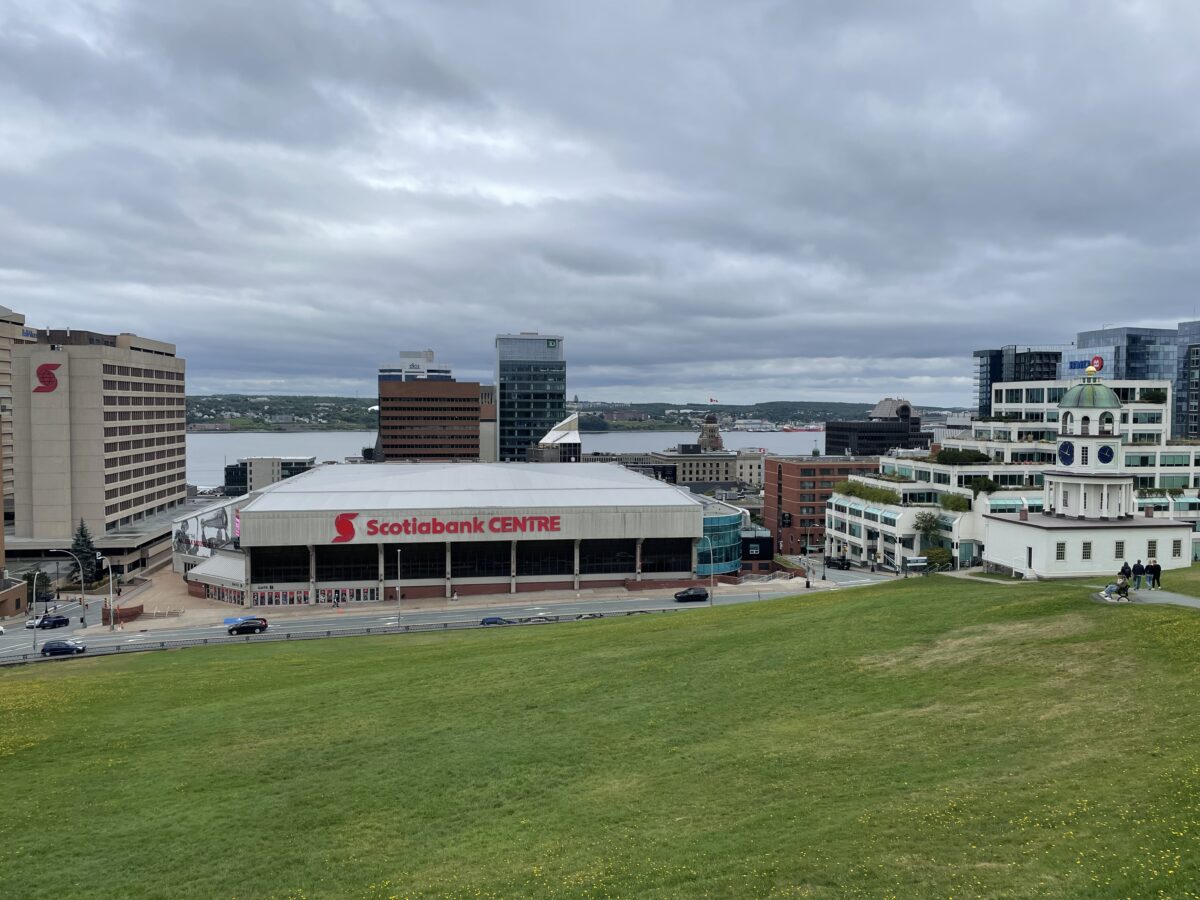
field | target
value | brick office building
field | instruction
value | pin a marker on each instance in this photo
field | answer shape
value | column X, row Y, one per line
column 794, row 494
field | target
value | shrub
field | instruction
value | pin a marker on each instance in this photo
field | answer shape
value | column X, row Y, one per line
column 866, row 492
column 986, row 485
column 952, row 456
column 954, row 503
column 939, row 557
column 1153, row 395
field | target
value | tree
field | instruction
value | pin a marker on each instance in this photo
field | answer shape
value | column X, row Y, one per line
column 45, row 593
column 928, row 524
column 85, row 551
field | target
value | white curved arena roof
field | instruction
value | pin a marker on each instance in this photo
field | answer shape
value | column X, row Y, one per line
column 415, row 486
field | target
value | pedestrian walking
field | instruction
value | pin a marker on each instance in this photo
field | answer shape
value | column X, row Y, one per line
column 1126, row 571
column 1154, row 575
column 1139, row 572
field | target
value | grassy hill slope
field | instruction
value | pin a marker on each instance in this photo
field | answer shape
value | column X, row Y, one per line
column 930, row 737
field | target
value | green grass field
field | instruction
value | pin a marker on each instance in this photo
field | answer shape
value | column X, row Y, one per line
column 932, row 737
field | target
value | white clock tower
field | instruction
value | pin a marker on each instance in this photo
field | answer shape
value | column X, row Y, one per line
column 1090, row 480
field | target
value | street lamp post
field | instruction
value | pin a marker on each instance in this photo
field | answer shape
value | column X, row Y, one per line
column 399, row 595
column 112, row 609
column 712, row 584
column 33, row 607
column 83, row 596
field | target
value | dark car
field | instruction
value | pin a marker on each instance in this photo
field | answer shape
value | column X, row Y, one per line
column 62, row 648
column 496, row 620
column 253, row 625
column 53, row 622
column 692, row 595
column 837, row 562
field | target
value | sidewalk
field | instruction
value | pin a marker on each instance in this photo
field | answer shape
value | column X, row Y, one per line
column 169, row 592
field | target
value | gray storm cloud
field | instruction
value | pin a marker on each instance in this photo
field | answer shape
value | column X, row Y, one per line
column 747, row 201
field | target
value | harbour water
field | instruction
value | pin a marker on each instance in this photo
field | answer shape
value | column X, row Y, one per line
column 208, row 453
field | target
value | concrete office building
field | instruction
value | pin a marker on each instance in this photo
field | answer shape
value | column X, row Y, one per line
column 12, row 331
column 561, row 443
column 256, row 472
column 424, row 414
column 531, row 391
column 359, row 533
column 487, row 423
column 99, row 435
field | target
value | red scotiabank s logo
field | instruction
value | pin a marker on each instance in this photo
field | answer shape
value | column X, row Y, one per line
column 344, row 524
column 47, row 382
column 1098, row 363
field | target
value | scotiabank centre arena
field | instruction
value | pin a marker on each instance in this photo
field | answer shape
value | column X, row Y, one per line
column 361, row 532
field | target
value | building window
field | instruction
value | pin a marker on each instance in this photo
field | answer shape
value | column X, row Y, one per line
column 1083, row 459
column 1176, row 549
column 1087, row 550
column 1060, row 551
column 1151, row 549
column 548, row 558
column 1119, row 550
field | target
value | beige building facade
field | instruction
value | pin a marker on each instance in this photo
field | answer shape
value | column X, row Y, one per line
column 13, row 331
column 98, row 435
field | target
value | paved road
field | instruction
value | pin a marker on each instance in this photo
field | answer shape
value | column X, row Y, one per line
column 20, row 641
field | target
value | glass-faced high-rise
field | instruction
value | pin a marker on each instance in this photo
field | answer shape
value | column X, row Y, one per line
column 531, row 390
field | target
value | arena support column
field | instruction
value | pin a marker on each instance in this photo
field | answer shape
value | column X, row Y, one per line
column 449, row 589
column 576, row 569
column 512, row 569
column 379, row 594
column 637, row 564
column 312, row 573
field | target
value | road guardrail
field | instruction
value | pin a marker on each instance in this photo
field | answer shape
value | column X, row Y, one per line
column 270, row 636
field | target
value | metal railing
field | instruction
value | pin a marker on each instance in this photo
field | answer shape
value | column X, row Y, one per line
column 320, row 634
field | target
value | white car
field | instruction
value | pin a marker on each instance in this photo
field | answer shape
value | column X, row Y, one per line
column 1, row 629
column 32, row 623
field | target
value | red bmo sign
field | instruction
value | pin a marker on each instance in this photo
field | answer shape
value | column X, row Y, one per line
column 348, row 528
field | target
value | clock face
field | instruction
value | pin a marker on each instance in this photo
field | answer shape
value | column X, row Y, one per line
column 1066, row 453
column 1105, row 455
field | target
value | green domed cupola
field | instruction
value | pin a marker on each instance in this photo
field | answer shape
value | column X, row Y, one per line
column 1090, row 394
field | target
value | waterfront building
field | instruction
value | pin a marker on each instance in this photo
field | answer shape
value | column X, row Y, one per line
column 710, row 434
column 561, row 443
column 360, row 533
column 531, row 390
column 1013, row 363
column 98, row 436
column 889, row 425
column 255, row 472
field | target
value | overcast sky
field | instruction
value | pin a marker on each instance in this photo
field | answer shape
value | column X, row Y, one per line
column 738, row 200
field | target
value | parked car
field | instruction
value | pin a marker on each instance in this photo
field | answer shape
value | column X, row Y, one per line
column 252, row 625
column 53, row 621
column 694, row 594
column 62, row 648
column 837, row 562
column 496, row 620
column 582, row 616
column 538, row 620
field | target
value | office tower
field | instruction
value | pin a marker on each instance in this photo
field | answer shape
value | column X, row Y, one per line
column 1012, row 363
column 98, row 435
column 424, row 414
column 531, row 391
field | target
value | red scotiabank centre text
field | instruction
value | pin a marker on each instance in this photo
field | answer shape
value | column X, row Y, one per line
column 494, row 525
